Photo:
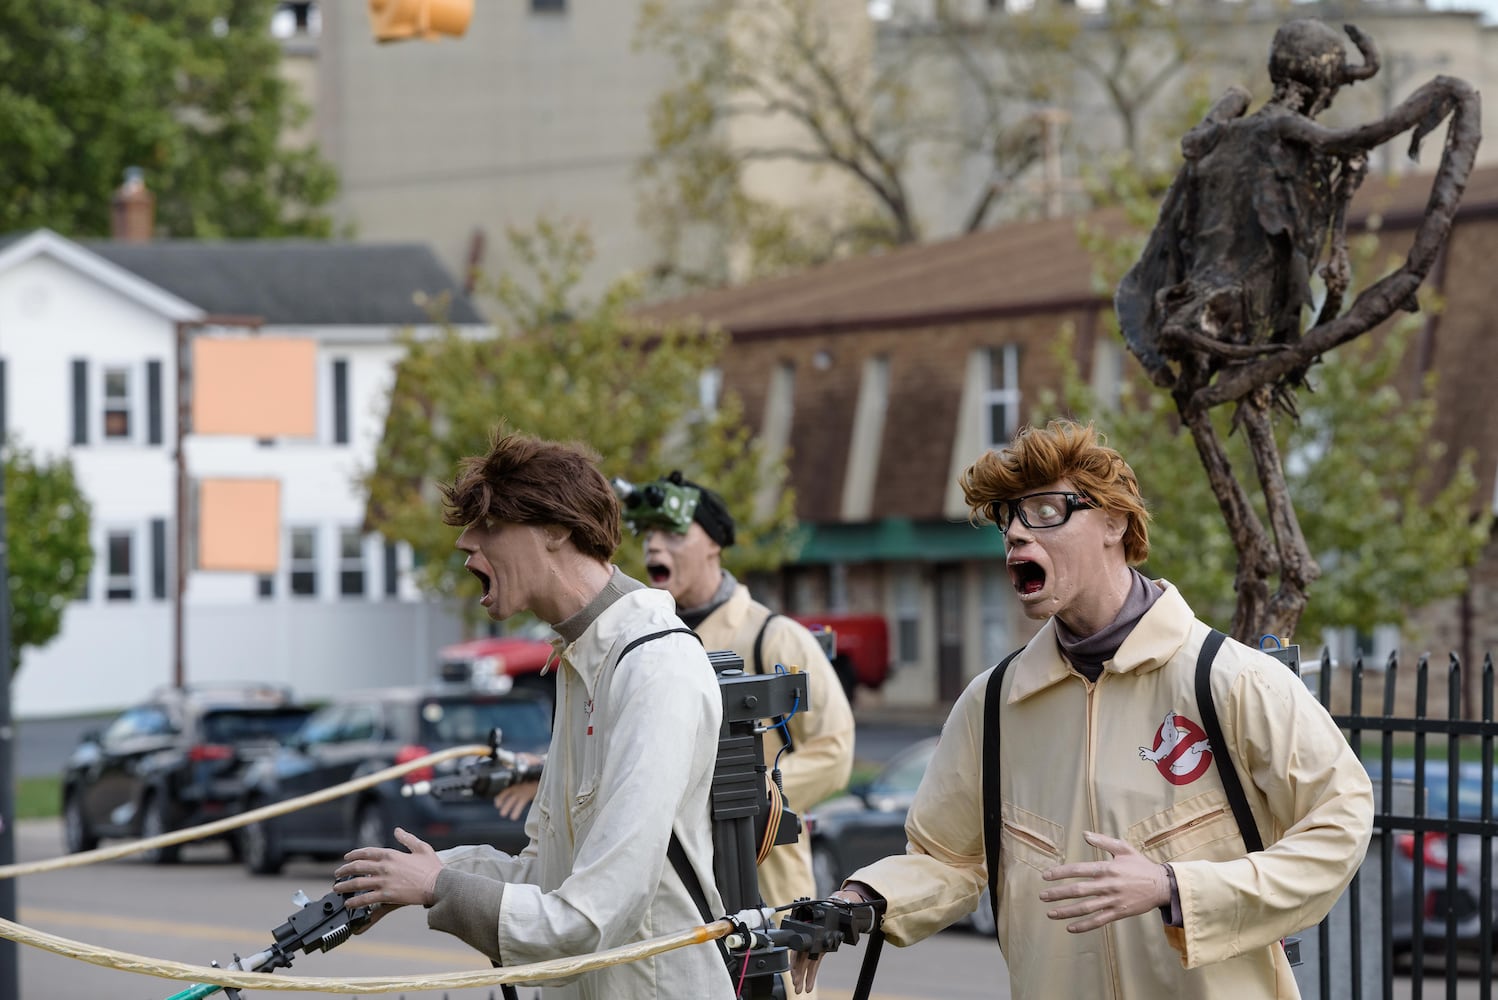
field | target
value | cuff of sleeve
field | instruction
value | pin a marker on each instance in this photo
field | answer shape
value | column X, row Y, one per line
column 1171, row 911
column 467, row 907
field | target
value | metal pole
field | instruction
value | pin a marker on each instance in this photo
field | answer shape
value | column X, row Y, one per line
column 184, row 412
column 179, row 519
column 9, row 961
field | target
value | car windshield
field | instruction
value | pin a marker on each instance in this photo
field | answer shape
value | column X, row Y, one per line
column 525, row 723
column 903, row 774
column 252, row 725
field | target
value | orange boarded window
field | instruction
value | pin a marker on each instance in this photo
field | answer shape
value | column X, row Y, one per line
column 239, row 525
column 260, row 386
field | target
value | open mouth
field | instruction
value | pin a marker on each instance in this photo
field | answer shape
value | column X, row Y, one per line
column 1027, row 577
column 658, row 574
column 484, row 582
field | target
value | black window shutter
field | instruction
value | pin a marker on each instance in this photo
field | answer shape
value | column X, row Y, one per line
column 158, row 557
column 80, row 401
column 153, row 401
column 392, row 570
column 340, row 401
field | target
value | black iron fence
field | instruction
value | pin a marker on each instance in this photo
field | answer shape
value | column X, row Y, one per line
column 1422, row 906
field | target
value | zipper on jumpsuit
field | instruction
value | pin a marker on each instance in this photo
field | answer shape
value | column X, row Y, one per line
column 1109, row 945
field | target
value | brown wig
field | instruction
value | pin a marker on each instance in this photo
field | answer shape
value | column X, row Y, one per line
column 1062, row 450
column 525, row 480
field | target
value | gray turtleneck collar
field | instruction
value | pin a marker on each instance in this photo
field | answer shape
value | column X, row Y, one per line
column 696, row 616
column 572, row 627
column 1088, row 653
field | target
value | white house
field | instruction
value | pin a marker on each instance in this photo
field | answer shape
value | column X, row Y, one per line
column 88, row 369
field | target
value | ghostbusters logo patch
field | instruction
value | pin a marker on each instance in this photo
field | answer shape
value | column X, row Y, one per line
column 1180, row 752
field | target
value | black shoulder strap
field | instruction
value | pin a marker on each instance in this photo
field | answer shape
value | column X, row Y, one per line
column 688, row 875
column 674, row 851
column 1247, row 828
column 759, row 643
column 656, row 635
column 993, row 819
column 759, row 668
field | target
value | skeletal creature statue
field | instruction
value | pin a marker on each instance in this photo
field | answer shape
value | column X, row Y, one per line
column 1215, row 308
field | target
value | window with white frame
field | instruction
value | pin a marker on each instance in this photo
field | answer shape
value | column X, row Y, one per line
column 116, row 404
column 1001, row 396
column 351, row 563
column 119, row 566
column 303, row 566
column 709, row 388
column 907, row 614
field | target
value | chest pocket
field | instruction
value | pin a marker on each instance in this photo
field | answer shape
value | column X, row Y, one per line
column 1201, row 828
column 1030, row 839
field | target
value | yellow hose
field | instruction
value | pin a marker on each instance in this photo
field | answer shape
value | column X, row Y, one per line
column 126, row 962
column 555, row 968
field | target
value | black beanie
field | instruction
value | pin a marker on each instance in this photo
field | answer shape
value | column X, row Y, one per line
column 711, row 513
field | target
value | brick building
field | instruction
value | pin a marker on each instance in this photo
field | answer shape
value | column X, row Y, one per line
column 886, row 375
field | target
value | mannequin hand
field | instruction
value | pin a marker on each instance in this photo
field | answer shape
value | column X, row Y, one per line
column 1128, row 885
column 391, row 877
column 804, row 968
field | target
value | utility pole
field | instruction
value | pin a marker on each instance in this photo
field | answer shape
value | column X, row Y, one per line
column 185, row 329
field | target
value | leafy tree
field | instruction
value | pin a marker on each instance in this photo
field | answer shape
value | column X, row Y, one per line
column 47, row 547
column 566, row 368
column 1359, row 469
column 188, row 90
column 787, row 82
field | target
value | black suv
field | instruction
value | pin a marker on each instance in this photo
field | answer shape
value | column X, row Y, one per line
column 171, row 762
column 367, row 732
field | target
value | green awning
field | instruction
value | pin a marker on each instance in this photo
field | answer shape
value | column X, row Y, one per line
column 898, row 539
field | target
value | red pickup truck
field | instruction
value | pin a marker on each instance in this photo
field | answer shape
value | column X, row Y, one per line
column 504, row 662
column 861, row 656
column 497, row 663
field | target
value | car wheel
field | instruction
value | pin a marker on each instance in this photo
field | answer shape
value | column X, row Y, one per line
column 369, row 828
column 824, row 870
column 153, row 824
column 259, row 850
column 983, row 922
column 75, row 829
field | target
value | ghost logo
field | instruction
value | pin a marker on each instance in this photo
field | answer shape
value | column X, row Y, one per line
column 1181, row 752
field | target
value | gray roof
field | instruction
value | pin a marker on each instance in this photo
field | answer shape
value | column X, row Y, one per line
column 297, row 282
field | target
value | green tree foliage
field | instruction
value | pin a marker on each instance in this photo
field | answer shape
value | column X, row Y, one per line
column 188, row 90
column 47, row 546
column 566, row 368
column 1360, row 470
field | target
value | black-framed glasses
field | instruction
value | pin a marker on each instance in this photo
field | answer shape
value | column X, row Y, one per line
column 1038, row 510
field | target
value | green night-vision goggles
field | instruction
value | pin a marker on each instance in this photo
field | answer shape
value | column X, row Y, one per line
column 662, row 504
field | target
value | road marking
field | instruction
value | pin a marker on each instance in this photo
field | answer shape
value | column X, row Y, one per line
column 53, row 920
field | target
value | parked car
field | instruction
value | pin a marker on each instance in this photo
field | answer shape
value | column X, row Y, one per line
column 171, row 762
column 868, row 823
column 370, row 731
column 1434, row 856
column 861, row 654
column 499, row 664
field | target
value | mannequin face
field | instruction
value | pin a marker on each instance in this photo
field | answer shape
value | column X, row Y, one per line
column 687, row 564
column 1069, row 570
column 516, row 563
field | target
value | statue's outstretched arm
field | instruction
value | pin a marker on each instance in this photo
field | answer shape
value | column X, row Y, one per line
column 1423, row 111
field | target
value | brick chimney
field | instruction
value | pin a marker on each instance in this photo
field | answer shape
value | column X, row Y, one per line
column 132, row 216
